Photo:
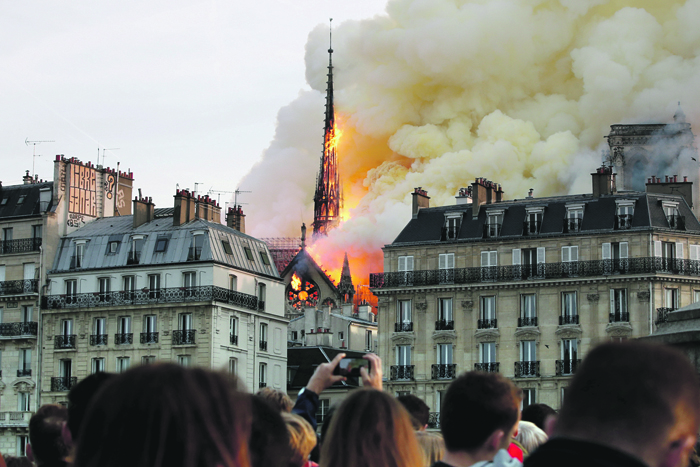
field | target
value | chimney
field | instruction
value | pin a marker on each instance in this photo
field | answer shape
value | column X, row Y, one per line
column 482, row 193
column 236, row 219
column 364, row 310
column 27, row 179
column 143, row 210
column 499, row 193
column 464, row 196
column 346, row 309
column 184, row 207
column 603, row 181
column 672, row 187
column 420, row 200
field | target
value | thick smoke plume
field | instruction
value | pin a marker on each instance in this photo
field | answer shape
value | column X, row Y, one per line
column 438, row 92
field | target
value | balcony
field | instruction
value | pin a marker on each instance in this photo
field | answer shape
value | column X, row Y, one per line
column 527, row 321
column 19, row 287
column 23, row 245
column 16, row 419
column 403, row 327
column 184, row 337
column 572, row 225
column 444, row 325
column 676, row 222
column 527, row 369
column 542, row 271
column 620, row 317
column 263, row 345
column 23, row 372
column 566, row 367
column 662, row 314
column 487, row 324
column 262, row 385
column 444, row 371
column 234, row 339
column 492, row 230
column 98, row 339
column 64, row 341
column 134, row 257
column 76, row 262
column 623, row 221
column 261, row 305
column 531, row 227
column 401, row 372
column 149, row 337
column 194, row 253
column 434, row 420
column 491, row 367
column 19, row 329
column 124, row 338
column 146, row 297
column 568, row 319
column 63, row 383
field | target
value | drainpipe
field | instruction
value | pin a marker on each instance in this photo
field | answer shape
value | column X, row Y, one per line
column 348, row 343
column 651, row 290
column 40, row 334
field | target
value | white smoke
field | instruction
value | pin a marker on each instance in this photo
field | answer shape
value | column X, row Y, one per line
column 438, row 92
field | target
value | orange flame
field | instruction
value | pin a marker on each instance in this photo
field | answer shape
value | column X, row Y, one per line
column 296, row 282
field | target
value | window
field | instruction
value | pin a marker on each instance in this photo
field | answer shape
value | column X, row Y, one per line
column 25, row 362
column 65, row 370
column 671, row 298
column 98, row 365
column 153, row 286
column 263, row 336
column 323, row 407
column 445, row 320
column 487, row 312
column 189, row 279
column 124, row 324
column 444, row 354
column 262, row 291
column 618, row 305
column 487, row 353
column 161, row 245
column 22, row 441
column 574, row 218
column 569, row 357
column 112, row 248
column 447, row 264
column 4, row 201
column 529, row 262
column 340, row 335
column 405, row 265
column 248, row 253
column 136, row 244
column 528, row 310
column 489, row 261
column 452, row 224
column 99, row 336
column 148, row 360
column 195, row 252
column 528, row 398
column 673, row 217
column 528, row 351
column 27, row 313
column 696, row 296
column 494, row 221
column 232, row 282
column 624, row 214
column 24, row 401
column 21, row 199
column 150, row 330
column 233, row 327
column 533, row 221
column 264, row 258
column 569, row 254
column 128, row 286
column 7, row 234
column 262, row 375
column 403, row 355
column 104, row 284
column 615, row 257
column 79, row 255
column 369, row 343
column 67, row 327
column 569, row 308
column 36, row 231
column 184, row 360
column 185, row 321
column 227, row 247
column 233, row 366
column 404, row 321
column 123, row 364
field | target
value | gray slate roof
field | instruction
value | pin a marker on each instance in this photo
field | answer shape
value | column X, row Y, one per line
column 30, row 205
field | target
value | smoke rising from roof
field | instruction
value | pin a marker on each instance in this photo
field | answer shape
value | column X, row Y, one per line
column 438, row 92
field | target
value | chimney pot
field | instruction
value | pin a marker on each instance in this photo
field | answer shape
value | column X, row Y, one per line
column 685, row 179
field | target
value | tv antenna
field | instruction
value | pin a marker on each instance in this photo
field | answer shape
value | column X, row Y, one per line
column 35, row 155
column 103, row 154
column 219, row 193
column 235, row 196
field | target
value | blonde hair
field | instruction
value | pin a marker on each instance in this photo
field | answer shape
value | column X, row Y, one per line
column 530, row 436
column 302, row 438
column 371, row 429
column 433, row 446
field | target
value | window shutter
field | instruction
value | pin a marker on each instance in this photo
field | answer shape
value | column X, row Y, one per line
column 624, row 250
column 573, row 253
column 565, row 254
column 409, row 263
column 493, row 258
column 694, row 252
column 516, row 256
column 442, row 261
column 540, row 255
column 402, row 263
column 450, row 261
column 679, row 251
column 484, row 258
column 612, row 301
column 606, row 251
column 657, row 249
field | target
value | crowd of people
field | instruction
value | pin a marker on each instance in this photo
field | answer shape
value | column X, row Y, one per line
column 630, row 404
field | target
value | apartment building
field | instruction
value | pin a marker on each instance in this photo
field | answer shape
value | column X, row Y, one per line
column 171, row 285
column 526, row 287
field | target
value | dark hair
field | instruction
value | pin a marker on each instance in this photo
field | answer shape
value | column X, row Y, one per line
column 11, row 461
column 371, row 429
column 477, row 404
column 419, row 410
column 166, row 415
column 622, row 389
column 79, row 398
column 45, row 428
column 537, row 414
column 269, row 439
column 277, row 398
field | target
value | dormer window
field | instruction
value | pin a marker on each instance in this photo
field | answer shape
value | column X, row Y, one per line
column 533, row 220
column 494, row 221
column 21, row 199
column 624, row 214
column 453, row 221
column 196, row 244
column 574, row 218
column 135, row 247
column 77, row 261
column 673, row 217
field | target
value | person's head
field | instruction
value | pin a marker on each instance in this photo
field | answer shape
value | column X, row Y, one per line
column 302, row 438
column 12, row 461
column 623, row 389
column 433, row 447
column 538, row 414
column 419, row 410
column 371, row 429
column 530, row 435
column 269, row 439
column 78, row 399
column 277, row 398
column 166, row 415
column 479, row 413
column 46, row 442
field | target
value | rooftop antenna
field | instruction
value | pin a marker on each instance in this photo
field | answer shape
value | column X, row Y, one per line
column 218, row 198
column 35, row 155
column 103, row 154
column 235, row 196
column 196, row 184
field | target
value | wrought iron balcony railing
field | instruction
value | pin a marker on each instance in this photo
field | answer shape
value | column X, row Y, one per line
column 149, row 337
column 403, row 327
column 19, row 329
column 24, row 372
column 99, row 339
column 262, row 385
column 434, row 420
column 263, row 345
column 568, row 319
column 566, row 367
column 492, row 367
column 134, row 257
column 662, row 314
column 542, row 271
column 144, row 297
column 19, row 287
column 194, row 253
column 261, row 305
column 64, row 341
column 572, row 225
column 22, row 245
column 623, row 221
column 448, row 234
column 63, row 383
column 234, row 339
column 527, row 321
column 531, row 227
column 184, row 336
column 486, row 323
column 124, row 338
column 401, row 372
column 620, row 317
column 444, row 371
column 444, row 325
column 492, row 230
column 527, row 369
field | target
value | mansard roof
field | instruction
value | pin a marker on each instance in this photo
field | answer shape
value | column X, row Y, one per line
column 598, row 217
column 101, row 232
column 30, row 205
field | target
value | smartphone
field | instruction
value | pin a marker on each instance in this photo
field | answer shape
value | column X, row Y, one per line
column 350, row 367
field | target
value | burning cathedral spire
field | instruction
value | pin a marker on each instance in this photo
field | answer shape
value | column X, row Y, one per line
column 328, row 197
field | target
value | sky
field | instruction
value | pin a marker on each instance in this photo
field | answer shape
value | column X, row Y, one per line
column 180, row 92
